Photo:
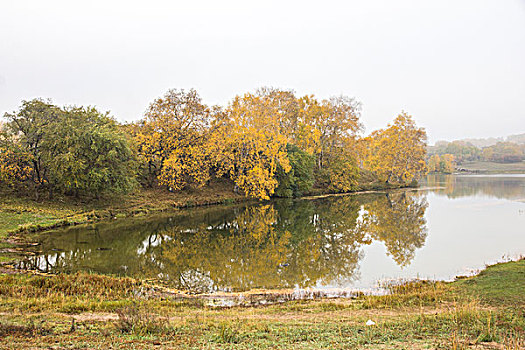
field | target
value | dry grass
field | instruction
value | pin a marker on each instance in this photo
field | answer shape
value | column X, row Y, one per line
column 417, row 315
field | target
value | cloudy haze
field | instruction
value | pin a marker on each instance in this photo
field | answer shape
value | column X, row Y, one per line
column 457, row 66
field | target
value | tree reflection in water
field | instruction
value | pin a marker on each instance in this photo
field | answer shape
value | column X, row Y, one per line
column 398, row 220
column 509, row 186
column 278, row 244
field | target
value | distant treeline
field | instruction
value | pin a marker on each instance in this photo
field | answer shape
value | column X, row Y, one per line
column 444, row 156
column 491, row 141
column 268, row 143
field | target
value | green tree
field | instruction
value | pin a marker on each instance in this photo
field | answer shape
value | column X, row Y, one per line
column 27, row 132
column 340, row 171
column 300, row 179
column 73, row 150
column 461, row 150
column 88, row 154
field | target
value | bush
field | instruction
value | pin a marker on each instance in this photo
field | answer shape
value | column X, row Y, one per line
column 135, row 320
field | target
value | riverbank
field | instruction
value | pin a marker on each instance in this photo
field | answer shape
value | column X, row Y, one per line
column 92, row 311
column 492, row 168
column 23, row 214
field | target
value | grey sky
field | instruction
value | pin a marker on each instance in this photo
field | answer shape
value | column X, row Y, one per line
column 457, row 66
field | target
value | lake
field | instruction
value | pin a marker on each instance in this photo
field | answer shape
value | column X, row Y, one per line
column 451, row 226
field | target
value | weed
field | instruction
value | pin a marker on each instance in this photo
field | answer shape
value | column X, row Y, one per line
column 29, row 330
column 227, row 334
column 332, row 306
column 138, row 321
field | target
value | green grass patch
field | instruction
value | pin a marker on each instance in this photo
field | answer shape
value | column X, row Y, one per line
column 23, row 213
column 500, row 284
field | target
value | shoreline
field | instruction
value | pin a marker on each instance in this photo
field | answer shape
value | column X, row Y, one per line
column 92, row 311
column 261, row 296
column 88, row 215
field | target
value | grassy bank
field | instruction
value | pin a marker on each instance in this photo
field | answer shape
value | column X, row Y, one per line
column 493, row 168
column 19, row 213
column 90, row 311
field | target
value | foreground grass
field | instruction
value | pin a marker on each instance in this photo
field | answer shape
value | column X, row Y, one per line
column 92, row 311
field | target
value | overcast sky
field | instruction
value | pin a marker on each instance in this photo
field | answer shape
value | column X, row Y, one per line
column 457, row 66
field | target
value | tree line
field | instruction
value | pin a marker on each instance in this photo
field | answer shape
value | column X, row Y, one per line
column 444, row 156
column 268, row 143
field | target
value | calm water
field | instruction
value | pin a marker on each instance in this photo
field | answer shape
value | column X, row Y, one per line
column 349, row 242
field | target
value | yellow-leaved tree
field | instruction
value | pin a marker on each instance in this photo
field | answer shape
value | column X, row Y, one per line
column 433, row 163
column 338, row 124
column 249, row 146
column 298, row 118
column 397, row 154
column 172, row 140
column 326, row 130
column 447, row 163
column 15, row 166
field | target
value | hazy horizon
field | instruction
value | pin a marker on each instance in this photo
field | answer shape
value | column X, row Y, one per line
column 457, row 67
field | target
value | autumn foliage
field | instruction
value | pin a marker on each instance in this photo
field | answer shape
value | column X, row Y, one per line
column 268, row 142
column 397, row 153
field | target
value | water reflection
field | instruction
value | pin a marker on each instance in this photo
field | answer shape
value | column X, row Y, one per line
column 509, row 186
column 398, row 220
column 280, row 244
